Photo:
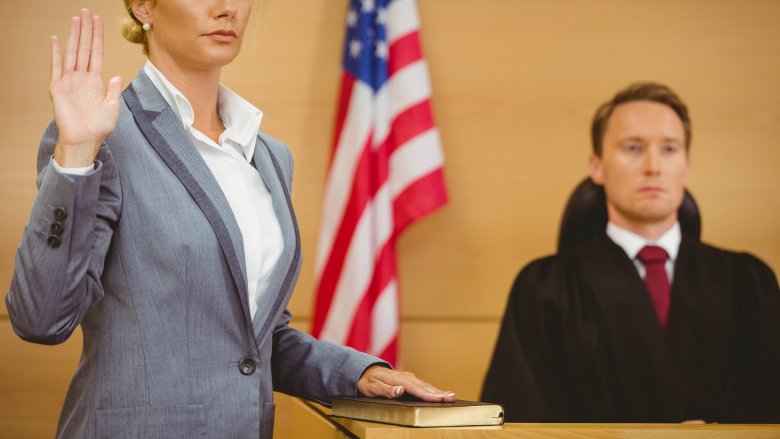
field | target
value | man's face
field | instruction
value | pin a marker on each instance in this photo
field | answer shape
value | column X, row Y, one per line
column 643, row 165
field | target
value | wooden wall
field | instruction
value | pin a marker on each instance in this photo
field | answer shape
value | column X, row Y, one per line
column 515, row 84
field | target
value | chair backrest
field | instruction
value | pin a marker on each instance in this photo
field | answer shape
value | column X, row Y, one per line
column 586, row 215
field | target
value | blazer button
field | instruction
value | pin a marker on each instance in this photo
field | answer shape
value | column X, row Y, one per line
column 60, row 213
column 57, row 228
column 247, row 366
column 53, row 241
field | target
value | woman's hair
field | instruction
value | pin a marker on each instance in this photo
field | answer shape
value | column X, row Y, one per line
column 131, row 28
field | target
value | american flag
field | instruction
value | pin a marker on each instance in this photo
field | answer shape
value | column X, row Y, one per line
column 385, row 172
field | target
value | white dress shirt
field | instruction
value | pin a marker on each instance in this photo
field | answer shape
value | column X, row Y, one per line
column 230, row 163
column 632, row 243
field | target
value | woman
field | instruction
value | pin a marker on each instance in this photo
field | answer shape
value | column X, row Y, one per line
column 163, row 226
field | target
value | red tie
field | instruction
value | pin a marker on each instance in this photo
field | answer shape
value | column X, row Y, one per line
column 656, row 280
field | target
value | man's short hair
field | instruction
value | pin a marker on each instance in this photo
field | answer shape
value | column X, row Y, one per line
column 640, row 91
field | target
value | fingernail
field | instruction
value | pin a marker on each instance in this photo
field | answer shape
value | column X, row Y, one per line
column 397, row 390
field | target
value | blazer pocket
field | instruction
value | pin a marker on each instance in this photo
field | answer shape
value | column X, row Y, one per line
column 267, row 421
column 152, row 422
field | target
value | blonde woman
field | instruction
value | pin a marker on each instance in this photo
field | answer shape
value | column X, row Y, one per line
column 163, row 227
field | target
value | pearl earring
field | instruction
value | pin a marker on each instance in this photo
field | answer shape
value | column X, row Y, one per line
column 146, row 26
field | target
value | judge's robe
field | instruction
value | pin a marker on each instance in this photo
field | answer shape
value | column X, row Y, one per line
column 580, row 341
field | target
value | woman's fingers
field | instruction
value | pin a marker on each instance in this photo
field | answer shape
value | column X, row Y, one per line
column 85, row 41
column 72, row 45
column 56, row 58
column 384, row 390
column 426, row 391
column 84, row 49
column 113, row 90
column 96, row 57
column 380, row 381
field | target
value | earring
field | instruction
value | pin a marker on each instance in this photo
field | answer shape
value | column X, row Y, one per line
column 146, row 26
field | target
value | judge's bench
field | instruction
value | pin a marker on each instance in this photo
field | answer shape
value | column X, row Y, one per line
column 296, row 418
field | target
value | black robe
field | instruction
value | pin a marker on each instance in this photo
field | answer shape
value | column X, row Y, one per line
column 580, row 341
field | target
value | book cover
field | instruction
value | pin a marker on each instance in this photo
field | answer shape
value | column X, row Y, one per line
column 416, row 413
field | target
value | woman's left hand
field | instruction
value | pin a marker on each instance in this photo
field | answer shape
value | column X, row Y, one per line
column 381, row 382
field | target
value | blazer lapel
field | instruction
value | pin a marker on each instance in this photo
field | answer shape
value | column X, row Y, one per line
column 164, row 131
column 282, row 278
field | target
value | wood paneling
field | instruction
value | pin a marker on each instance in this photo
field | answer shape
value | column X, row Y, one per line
column 33, row 382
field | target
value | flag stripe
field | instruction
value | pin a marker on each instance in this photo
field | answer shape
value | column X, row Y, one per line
column 415, row 159
column 360, row 336
column 357, row 125
column 390, row 354
column 402, row 18
column 349, row 148
column 333, row 264
column 375, row 226
column 371, row 173
column 345, row 93
column 384, row 317
column 346, row 158
column 419, row 199
column 404, row 51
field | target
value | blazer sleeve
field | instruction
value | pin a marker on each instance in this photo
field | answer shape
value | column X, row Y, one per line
column 315, row 369
column 59, row 262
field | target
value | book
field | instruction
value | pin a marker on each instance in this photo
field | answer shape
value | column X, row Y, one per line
column 417, row 413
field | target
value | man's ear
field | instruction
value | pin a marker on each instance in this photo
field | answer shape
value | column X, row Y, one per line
column 140, row 9
column 596, row 170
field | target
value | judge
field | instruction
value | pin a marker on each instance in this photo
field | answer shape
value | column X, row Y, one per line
column 641, row 323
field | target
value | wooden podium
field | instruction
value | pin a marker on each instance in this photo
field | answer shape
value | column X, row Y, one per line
column 296, row 419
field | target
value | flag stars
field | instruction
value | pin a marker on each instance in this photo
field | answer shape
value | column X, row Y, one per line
column 352, row 18
column 367, row 5
column 355, row 47
column 381, row 50
column 381, row 16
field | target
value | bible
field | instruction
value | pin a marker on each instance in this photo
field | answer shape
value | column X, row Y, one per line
column 416, row 413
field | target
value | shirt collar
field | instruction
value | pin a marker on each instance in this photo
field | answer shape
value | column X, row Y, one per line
column 241, row 119
column 632, row 243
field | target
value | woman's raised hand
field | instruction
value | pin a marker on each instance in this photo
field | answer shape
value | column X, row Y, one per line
column 84, row 110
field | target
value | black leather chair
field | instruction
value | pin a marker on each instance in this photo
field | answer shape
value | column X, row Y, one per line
column 586, row 215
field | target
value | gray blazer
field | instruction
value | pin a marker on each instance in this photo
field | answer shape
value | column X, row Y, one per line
column 145, row 254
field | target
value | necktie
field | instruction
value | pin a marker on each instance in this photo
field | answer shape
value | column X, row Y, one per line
column 656, row 280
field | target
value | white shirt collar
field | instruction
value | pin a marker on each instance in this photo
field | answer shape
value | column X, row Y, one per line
column 632, row 243
column 241, row 119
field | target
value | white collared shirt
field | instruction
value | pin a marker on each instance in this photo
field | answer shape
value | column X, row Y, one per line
column 230, row 163
column 632, row 243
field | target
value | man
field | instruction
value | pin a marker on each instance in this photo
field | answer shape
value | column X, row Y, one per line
column 641, row 323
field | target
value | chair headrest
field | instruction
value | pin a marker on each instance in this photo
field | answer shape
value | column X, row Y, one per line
column 585, row 215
